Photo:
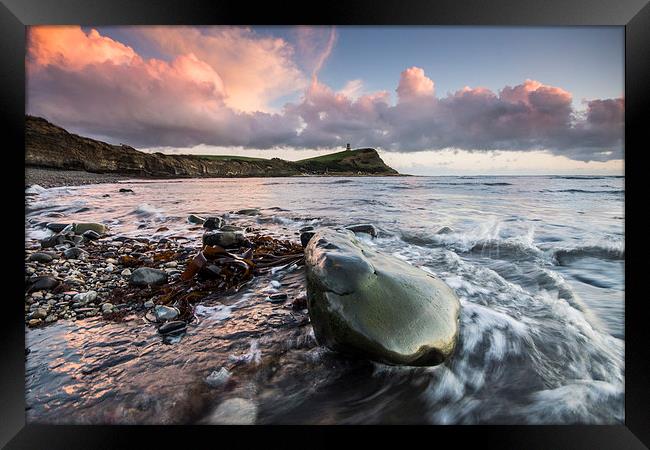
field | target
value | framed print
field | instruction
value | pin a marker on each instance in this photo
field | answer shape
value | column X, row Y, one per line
column 412, row 215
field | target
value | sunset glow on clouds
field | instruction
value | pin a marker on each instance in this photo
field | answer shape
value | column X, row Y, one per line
column 215, row 86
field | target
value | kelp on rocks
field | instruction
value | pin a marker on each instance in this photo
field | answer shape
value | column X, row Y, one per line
column 213, row 272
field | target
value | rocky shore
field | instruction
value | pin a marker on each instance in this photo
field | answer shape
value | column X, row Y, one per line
column 48, row 178
column 360, row 302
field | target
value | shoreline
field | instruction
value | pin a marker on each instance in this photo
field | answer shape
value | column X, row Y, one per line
column 49, row 177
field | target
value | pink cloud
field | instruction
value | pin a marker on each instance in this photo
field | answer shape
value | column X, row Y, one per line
column 413, row 83
column 216, row 84
column 255, row 69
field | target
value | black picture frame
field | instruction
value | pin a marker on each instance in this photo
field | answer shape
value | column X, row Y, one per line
column 633, row 14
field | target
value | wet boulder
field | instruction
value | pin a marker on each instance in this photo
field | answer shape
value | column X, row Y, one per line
column 376, row 306
column 91, row 235
column 226, row 237
column 44, row 284
column 75, row 253
column 213, row 223
column 305, row 236
column 363, row 228
column 196, row 220
column 56, row 227
column 41, row 257
column 146, row 276
column 81, row 228
column 249, row 212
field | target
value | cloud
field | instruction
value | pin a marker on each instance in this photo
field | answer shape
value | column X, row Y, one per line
column 255, row 69
column 413, row 84
column 214, row 86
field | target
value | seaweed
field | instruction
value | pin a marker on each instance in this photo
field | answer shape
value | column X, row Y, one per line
column 212, row 273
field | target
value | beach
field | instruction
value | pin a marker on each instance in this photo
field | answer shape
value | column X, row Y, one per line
column 541, row 296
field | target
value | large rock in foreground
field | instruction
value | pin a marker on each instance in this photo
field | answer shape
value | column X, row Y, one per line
column 361, row 301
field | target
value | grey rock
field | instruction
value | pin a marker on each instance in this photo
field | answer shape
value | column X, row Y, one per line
column 305, row 237
column 41, row 257
column 91, row 235
column 125, row 190
column 363, row 302
column 146, row 276
column 107, row 308
column 85, row 297
column 44, row 284
column 81, row 228
column 213, row 223
column 363, row 228
column 56, row 227
column 249, row 212
column 75, row 253
column 149, row 304
column 197, row 220
column 165, row 313
column 52, row 241
column 174, row 327
column 226, row 237
column 39, row 313
column 277, row 298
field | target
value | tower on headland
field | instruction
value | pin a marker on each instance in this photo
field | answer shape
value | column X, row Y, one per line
column 347, row 147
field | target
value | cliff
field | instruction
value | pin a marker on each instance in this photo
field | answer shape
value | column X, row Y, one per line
column 50, row 146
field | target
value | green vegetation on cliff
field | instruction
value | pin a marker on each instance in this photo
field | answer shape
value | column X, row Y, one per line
column 50, row 146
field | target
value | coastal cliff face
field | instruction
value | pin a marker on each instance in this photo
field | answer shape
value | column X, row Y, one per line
column 50, row 146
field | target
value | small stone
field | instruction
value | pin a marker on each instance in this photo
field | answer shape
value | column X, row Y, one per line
column 363, row 228
column 34, row 322
column 85, row 297
column 109, row 268
column 149, row 304
column 165, row 313
column 81, row 228
column 172, row 327
column 91, row 235
column 126, row 273
column 125, row 190
column 171, row 264
column 50, row 319
column 249, row 212
column 197, row 220
column 213, row 223
column 226, row 237
column 44, row 284
column 111, row 261
column 277, row 298
column 75, row 253
column 57, row 227
column 107, row 308
column 37, row 294
column 40, row 313
column 146, row 276
column 305, row 237
column 41, row 257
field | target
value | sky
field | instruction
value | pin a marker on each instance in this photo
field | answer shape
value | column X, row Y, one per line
column 432, row 100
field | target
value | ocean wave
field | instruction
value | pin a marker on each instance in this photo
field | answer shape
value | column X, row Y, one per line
column 566, row 255
column 584, row 191
column 509, row 334
column 496, row 183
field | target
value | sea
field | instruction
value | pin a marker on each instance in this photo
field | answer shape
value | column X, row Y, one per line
column 536, row 261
